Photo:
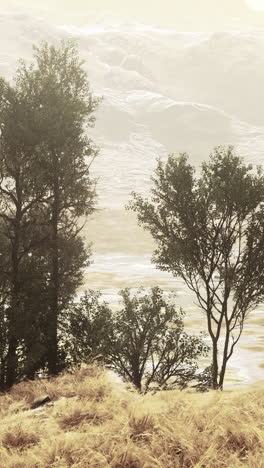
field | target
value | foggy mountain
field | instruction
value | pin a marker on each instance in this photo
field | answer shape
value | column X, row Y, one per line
column 164, row 91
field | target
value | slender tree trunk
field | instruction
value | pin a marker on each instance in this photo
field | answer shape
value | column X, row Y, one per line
column 11, row 360
column 2, row 375
column 54, row 304
column 11, row 367
column 227, row 338
column 215, row 366
column 214, row 342
column 225, row 358
column 222, row 374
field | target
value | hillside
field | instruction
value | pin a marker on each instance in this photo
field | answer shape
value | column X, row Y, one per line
column 93, row 421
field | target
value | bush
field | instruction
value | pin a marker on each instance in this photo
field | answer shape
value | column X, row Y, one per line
column 144, row 342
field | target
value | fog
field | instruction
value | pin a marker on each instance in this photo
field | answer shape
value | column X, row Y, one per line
column 174, row 78
column 190, row 15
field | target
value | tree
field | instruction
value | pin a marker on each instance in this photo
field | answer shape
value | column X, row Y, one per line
column 209, row 231
column 34, row 307
column 21, row 195
column 85, row 328
column 3, row 309
column 148, row 344
column 58, row 90
column 46, row 192
column 144, row 342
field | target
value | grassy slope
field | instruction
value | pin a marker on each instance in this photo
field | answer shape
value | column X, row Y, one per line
column 96, row 423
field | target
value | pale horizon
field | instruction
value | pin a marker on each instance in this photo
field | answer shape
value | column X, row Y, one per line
column 205, row 15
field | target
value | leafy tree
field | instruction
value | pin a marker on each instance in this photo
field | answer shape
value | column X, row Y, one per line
column 35, row 303
column 85, row 328
column 209, row 230
column 148, row 344
column 21, row 191
column 144, row 342
column 61, row 95
column 58, row 90
column 45, row 190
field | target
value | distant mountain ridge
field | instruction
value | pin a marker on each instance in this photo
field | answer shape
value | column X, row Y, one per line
column 164, row 91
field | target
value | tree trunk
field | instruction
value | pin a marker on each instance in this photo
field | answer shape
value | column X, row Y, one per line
column 136, row 372
column 11, row 366
column 225, row 358
column 137, row 381
column 54, row 303
column 11, row 359
column 222, row 375
column 227, row 338
column 214, row 342
column 2, row 375
column 215, row 366
column 53, row 319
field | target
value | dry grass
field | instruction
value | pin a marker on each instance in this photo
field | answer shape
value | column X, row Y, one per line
column 96, row 423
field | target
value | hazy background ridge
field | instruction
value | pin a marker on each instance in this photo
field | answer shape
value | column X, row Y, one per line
column 165, row 90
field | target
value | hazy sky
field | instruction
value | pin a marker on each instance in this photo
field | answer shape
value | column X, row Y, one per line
column 178, row 14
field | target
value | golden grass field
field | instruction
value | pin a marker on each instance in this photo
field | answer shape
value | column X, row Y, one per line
column 97, row 422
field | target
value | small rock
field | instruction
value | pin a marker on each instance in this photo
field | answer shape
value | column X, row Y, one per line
column 40, row 401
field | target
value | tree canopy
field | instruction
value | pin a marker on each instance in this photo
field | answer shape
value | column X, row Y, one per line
column 144, row 341
column 209, row 230
column 46, row 191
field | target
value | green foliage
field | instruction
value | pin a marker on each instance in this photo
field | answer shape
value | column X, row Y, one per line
column 45, row 187
column 84, row 328
column 209, row 231
column 148, row 344
column 62, row 105
column 144, row 342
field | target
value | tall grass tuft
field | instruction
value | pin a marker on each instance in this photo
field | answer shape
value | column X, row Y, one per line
column 95, row 422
